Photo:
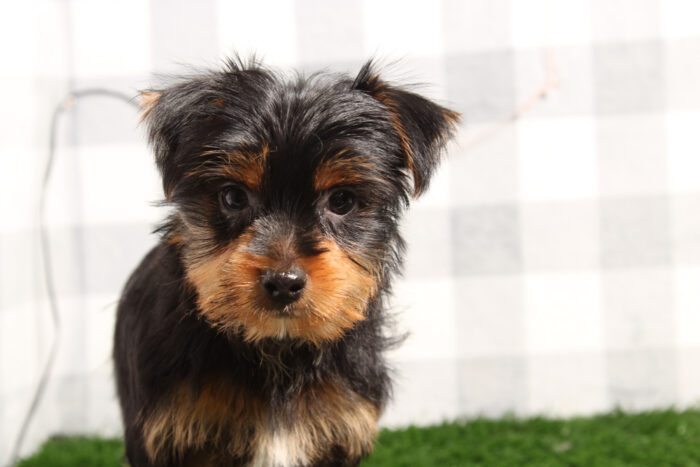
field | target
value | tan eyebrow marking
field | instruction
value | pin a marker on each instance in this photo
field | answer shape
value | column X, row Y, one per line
column 245, row 166
column 343, row 169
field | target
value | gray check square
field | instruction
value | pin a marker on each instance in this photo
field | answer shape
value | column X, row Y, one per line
column 635, row 232
column 573, row 94
column 486, row 239
column 71, row 391
column 432, row 381
column 492, row 386
column 560, row 236
column 18, row 280
column 642, row 379
column 67, row 257
column 482, row 85
column 629, row 77
column 686, row 229
column 427, row 234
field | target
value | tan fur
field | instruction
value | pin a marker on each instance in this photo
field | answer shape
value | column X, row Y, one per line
column 330, row 414
column 246, row 167
column 224, row 417
column 230, row 296
column 148, row 100
column 220, row 102
column 386, row 99
column 220, row 413
column 343, row 170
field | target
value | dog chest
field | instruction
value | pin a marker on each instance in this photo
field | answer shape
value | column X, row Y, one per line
column 280, row 448
column 320, row 420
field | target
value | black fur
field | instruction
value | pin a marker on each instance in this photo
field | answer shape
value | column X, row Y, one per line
column 161, row 338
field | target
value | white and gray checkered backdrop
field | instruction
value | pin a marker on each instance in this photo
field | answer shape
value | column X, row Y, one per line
column 554, row 266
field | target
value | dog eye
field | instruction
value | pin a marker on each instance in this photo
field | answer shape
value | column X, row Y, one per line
column 341, row 202
column 234, row 198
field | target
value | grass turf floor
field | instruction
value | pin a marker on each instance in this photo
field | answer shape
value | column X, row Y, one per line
column 659, row 438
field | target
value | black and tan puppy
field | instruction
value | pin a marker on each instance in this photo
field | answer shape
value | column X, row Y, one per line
column 252, row 334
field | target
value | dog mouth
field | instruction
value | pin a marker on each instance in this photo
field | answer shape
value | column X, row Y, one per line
column 289, row 311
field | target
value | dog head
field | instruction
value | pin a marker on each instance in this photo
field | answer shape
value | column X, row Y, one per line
column 287, row 192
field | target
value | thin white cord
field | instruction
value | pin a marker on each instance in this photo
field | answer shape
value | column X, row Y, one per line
column 65, row 104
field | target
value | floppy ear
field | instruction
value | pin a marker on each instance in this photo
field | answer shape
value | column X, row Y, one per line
column 148, row 100
column 160, row 134
column 423, row 127
column 170, row 116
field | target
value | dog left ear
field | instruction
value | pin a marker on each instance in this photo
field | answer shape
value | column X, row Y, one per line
column 422, row 126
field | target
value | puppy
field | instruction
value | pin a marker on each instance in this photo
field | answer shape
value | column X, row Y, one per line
column 252, row 334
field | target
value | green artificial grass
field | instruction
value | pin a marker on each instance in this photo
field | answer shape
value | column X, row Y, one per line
column 659, row 438
column 62, row 451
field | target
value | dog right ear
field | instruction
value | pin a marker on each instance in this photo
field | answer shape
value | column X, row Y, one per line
column 148, row 100
column 167, row 115
column 172, row 116
column 161, row 134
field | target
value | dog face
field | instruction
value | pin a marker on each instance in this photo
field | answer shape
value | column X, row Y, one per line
column 287, row 192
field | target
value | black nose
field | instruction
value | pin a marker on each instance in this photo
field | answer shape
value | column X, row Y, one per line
column 284, row 286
